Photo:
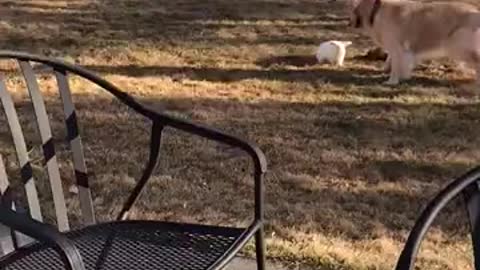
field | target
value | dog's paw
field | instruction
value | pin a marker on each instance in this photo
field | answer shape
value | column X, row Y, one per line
column 407, row 76
column 391, row 82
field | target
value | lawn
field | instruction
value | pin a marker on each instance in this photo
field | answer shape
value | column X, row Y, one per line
column 351, row 162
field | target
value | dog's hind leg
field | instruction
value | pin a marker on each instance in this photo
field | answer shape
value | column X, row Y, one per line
column 409, row 61
column 473, row 57
column 477, row 74
column 474, row 63
column 476, row 56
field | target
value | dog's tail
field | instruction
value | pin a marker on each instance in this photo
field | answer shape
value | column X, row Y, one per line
column 346, row 43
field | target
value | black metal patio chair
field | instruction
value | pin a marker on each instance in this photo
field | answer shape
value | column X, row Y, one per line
column 26, row 242
column 469, row 186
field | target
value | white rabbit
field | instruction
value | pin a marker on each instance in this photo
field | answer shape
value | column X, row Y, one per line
column 332, row 51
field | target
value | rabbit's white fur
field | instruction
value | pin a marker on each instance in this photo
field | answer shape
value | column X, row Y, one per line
column 332, row 51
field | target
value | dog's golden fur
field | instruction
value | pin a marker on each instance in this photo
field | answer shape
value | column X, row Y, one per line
column 410, row 31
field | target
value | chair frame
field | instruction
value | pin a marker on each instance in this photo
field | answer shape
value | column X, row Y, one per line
column 44, row 233
column 468, row 185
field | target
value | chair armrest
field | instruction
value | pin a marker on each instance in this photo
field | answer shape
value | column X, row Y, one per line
column 252, row 149
column 44, row 233
column 161, row 120
column 214, row 134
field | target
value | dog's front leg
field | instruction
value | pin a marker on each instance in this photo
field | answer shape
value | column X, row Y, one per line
column 396, row 63
column 387, row 66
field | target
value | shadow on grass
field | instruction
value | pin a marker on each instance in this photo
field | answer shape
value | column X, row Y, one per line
column 82, row 26
column 336, row 76
column 288, row 60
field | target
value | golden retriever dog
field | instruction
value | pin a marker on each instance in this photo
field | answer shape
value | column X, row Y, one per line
column 410, row 31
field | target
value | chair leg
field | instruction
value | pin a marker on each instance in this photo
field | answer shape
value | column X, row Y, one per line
column 472, row 199
column 260, row 249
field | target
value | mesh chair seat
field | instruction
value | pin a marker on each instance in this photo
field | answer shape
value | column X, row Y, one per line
column 134, row 245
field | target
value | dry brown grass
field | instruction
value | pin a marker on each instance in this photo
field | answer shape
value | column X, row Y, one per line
column 352, row 162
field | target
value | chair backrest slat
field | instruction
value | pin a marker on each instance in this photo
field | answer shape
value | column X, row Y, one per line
column 6, row 241
column 75, row 140
column 22, row 153
column 47, row 145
